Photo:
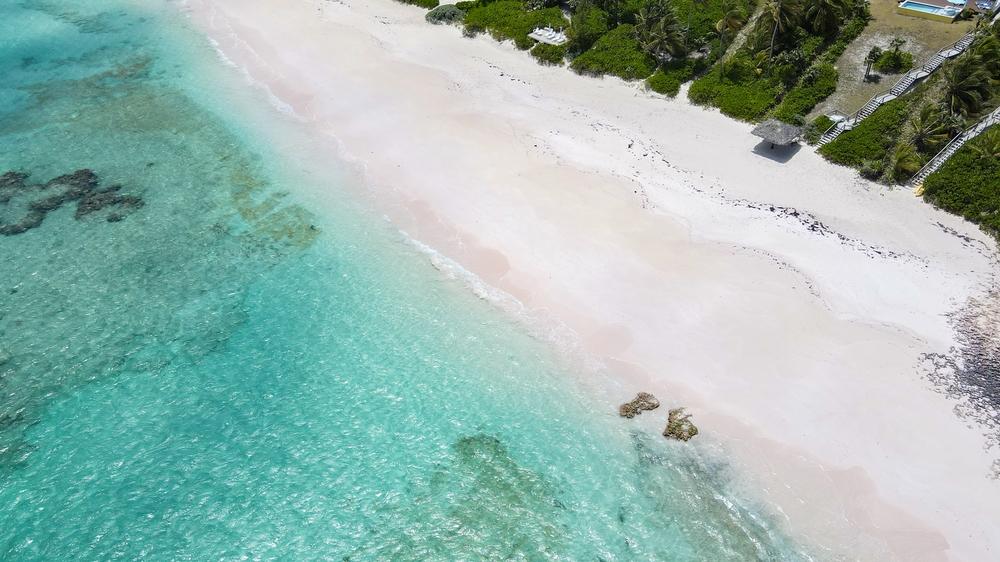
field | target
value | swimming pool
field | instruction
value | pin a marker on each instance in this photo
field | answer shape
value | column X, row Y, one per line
column 948, row 13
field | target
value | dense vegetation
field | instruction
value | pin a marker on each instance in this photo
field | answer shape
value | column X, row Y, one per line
column 617, row 53
column 872, row 139
column 969, row 182
column 737, row 88
column 668, row 79
column 816, row 84
column 788, row 54
column 549, row 54
column 667, row 41
column 510, row 19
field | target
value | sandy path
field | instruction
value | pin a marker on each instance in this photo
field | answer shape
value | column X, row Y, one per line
column 783, row 300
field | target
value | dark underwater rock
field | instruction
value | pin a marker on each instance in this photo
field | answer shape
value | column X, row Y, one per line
column 50, row 203
column 480, row 503
column 642, row 401
column 81, row 186
column 97, row 200
column 80, row 180
column 10, row 184
column 679, row 425
column 12, row 180
column 31, row 220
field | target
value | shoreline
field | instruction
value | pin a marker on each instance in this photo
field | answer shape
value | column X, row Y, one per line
column 792, row 293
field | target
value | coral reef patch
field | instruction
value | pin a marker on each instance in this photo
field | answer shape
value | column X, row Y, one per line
column 483, row 504
column 33, row 202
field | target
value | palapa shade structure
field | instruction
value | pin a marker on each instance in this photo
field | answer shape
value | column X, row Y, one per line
column 777, row 132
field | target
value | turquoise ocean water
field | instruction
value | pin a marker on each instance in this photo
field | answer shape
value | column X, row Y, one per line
column 227, row 372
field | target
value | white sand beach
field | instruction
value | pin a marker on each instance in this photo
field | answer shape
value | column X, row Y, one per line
column 783, row 300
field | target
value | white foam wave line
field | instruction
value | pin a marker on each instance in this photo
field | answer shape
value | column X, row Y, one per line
column 566, row 340
column 272, row 98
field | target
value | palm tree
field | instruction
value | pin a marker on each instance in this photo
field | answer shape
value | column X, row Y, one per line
column 659, row 32
column 986, row 50
column 825, row 16
column 966, row 86
column 871, row 58
column 930, row 131
column 906, row 162
column 954, row 124
column 733, row 20
column 784, row 14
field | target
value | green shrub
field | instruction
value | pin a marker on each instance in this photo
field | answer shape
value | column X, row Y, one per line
column 422, row 3
column 872, row 139
column 668, row 79
column 816, row 129
column 811, row 46
column 616, row 53
column 747, row 85
column 466, row 6
column 736, row 89
column 705, row 90
column 549, row 54
column 509, row 19
column 968, row 184
column 444, row 14
column 894, row 62
column 816, row 85
column 748, row 102
column 588, row 24
column 872, row 169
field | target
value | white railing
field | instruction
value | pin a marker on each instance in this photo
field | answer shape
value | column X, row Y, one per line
column 953, row 146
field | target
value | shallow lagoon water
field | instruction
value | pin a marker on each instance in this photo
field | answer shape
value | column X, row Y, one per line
column 230, row 371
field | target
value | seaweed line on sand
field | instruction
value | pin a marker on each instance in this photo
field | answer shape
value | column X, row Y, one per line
column 970, row 371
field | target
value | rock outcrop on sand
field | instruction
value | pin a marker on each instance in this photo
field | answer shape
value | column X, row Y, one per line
column 38, row 200
column 642, row 401
column 679, row 425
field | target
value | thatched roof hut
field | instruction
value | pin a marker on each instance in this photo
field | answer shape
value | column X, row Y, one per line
column 777, row 132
